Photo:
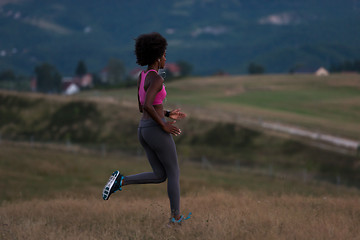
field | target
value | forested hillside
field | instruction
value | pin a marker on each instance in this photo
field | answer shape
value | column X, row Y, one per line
column 211, row 35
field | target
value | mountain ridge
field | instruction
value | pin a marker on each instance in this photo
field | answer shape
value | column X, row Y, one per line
column 210, row 35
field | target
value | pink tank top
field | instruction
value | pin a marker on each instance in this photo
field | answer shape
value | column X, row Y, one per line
column 160, row 96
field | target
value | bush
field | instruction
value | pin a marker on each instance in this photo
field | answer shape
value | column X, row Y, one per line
column 255, row 68
column 78, row 121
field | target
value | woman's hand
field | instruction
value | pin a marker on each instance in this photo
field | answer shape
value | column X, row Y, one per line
column 176, row 114
column 170, row 128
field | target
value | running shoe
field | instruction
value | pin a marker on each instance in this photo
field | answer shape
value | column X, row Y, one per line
column 174, row 222
column 114, row 184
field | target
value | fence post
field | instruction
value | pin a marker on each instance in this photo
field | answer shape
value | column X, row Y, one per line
column 103, row 150
column 139, row 152
column 32, row 141
column 271, row 170
column 338, row 180
column 305, row 175
column 68, row 144
column 237, row 165
column 205, row 163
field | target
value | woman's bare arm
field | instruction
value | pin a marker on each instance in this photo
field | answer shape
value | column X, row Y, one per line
column 155, row 85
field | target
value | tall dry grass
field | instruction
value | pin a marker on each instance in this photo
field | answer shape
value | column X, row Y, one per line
column 216, row 215
column 49, row 193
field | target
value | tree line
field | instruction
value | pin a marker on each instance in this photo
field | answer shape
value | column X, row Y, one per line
column 346, row 66
column 48, row 78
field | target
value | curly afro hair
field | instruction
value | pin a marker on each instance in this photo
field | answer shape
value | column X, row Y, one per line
column 149, row 48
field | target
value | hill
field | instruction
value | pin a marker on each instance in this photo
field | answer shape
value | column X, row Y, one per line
column 227, row 122
column 320, row 104
column 211, row 35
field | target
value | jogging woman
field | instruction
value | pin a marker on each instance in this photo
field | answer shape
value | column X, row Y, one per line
column 154, row 131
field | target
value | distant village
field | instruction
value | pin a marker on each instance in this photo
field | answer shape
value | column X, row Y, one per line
column 48, row 79
column 115, row 76
column 73, row 85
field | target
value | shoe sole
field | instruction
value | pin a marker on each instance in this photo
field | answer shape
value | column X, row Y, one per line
column 106, row 191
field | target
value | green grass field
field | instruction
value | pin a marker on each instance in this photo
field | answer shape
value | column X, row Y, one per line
column 48, row 192
column 326, row 104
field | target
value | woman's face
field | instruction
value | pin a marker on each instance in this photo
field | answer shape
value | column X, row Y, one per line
column 162, row 61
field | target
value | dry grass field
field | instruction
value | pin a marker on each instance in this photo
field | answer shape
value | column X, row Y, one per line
column 216, row 215
column 48, row 192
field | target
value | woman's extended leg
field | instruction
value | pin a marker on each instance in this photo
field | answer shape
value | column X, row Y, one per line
column 161, row 152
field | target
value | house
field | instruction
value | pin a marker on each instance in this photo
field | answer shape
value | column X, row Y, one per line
column 221, row 73
column 311, row 70
column 85, row 81
column 72, row 85
column 173, row 69
column 134, row 74
column 322, row 72
column 70, row 88
column 33, row 84
column 104, row 75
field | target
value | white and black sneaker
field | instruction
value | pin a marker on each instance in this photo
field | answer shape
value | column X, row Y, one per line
column 114, row 184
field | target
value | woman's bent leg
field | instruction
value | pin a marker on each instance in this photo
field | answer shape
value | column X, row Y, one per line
column 157, row 176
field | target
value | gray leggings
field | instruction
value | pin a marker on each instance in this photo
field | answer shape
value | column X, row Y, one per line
column 161, row 152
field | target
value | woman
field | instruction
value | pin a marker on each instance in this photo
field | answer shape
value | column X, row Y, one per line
column 154, row 131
